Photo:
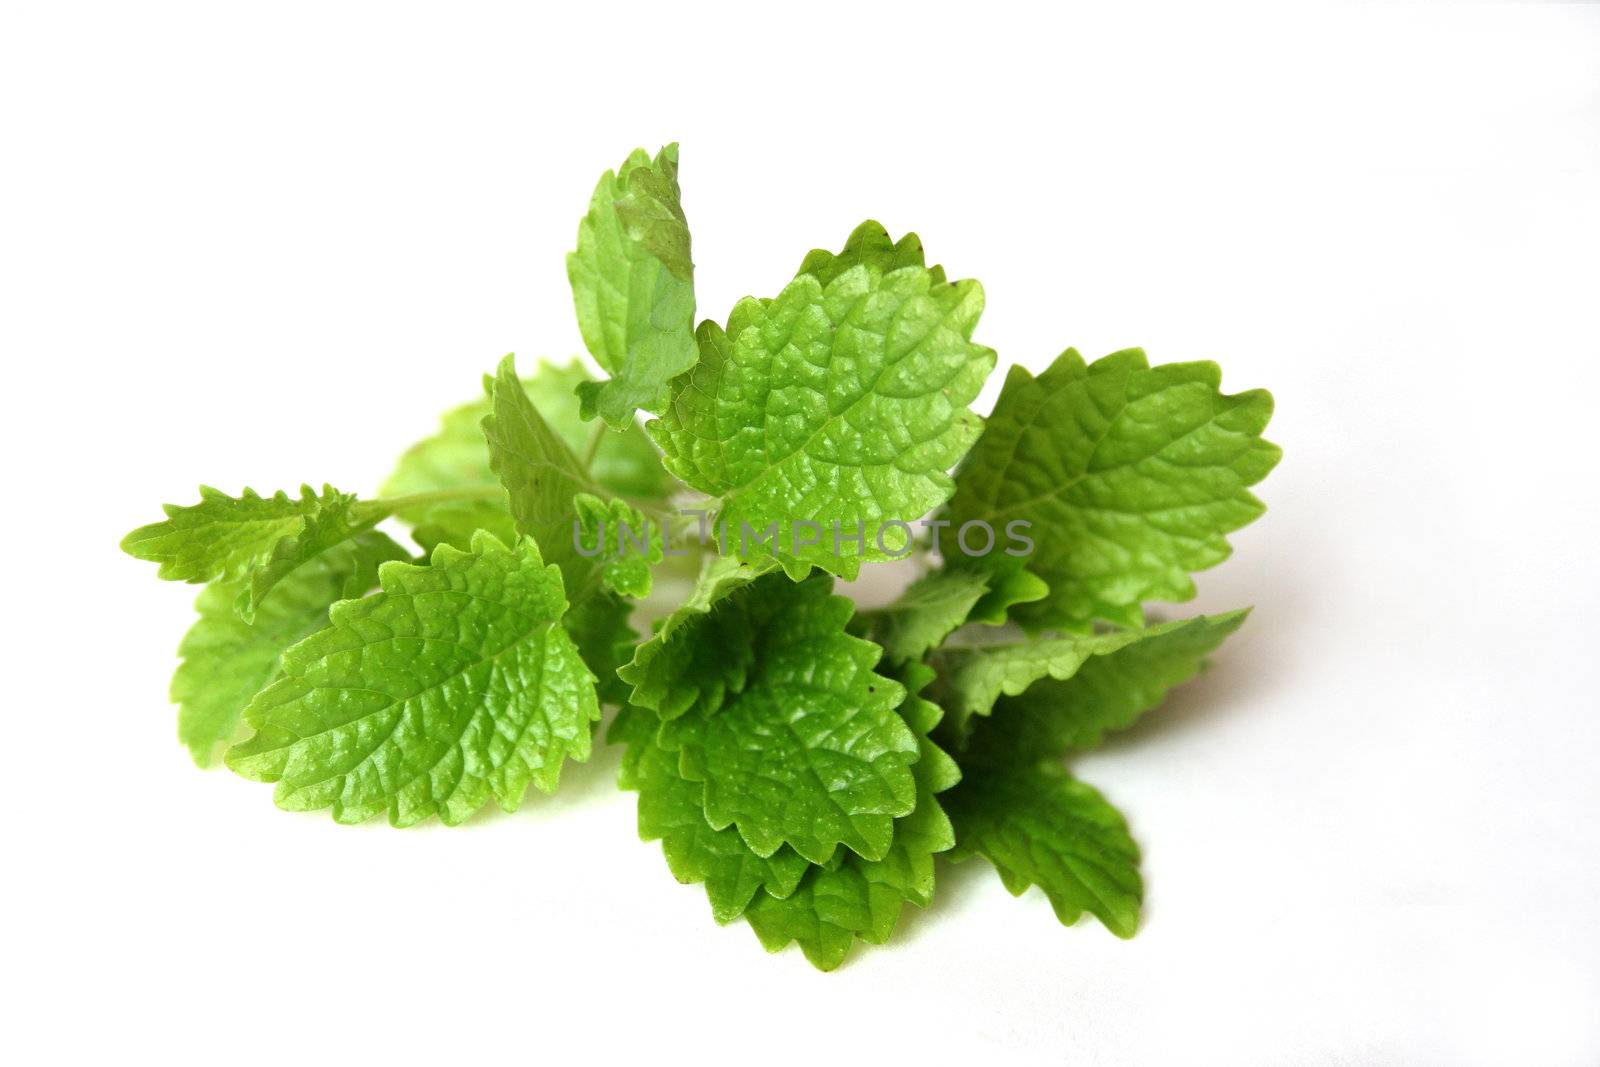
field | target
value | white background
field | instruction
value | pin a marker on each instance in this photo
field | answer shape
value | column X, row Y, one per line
column 264, row 247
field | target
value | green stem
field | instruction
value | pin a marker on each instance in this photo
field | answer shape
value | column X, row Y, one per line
column 388, row 505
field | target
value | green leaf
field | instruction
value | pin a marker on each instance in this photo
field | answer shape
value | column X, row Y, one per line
column 1040, row 826
column 810, row 752
column 224, row 538
column 452, row 686
column 845, row 898
column 633, row 287
column 624, row 463
column 933, row 607
column 974, row 678
column 453, row 522
column 861, row 898
column 702, row 651
column 623, row 541
column 550, row 493
column 839, row 404
column 870, row 244
column 599, row 626
column 333, row 522
column 540, row 474
column 1130, row 475
column 254, row 540
column 226, row 660
column 928, row 611
column 1007, row 589
column 1108, row 691
column 457, row 457
column 671, row 810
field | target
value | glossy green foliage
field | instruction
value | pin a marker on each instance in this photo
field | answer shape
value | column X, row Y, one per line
column 1130, row 475
column 973, row 678
column 633, row 287
column 841, row 404
column 861, row 898
column 1127, row 675
column 227, row 660
column 1040, row 826
column 620, row 541
column 453, row 686
column 700, row 652
column 807, row 765
column 809, row 752
column 672, row 810
column 540, row 473
column 929, row 610
column 455, row 460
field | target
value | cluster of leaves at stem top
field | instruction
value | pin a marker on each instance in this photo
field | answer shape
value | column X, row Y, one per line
column 805, row 762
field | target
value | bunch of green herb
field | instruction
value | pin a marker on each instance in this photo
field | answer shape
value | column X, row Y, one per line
column 806, row 762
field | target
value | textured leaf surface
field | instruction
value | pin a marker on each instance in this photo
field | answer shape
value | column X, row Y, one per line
column 541, row 476
column 868, row 244
column 811, row 752
column 843, row 402
column 861, row 898
column 972, row 679
column 1130, row 474
column 671, row 810
column 1040, row 826
column 225, row 538
column 702, row 651
column 452, row 686
column 633, row 287
column 624, row 543
column 226, row 660
column 334, row 521
column 1109, row 691
column 457, row 457
column 928, row 611
column 250, row 539
column 624, row 462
